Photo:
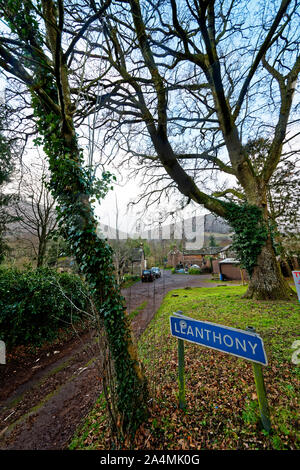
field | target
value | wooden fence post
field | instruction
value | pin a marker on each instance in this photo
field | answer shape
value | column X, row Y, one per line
column 261, row 392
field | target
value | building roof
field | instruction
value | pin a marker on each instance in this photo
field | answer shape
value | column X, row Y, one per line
column 209, row 250
column 225, row 248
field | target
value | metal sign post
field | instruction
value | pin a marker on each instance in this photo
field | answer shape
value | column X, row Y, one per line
column 181, row 377
column 245, row 344
column 261, row 393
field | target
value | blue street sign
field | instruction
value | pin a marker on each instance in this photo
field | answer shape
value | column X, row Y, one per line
column 244, row 344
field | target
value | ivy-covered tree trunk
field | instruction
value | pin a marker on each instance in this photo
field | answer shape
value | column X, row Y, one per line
column 72, row 190
column 95, row 259
column 73, row 187
column 253, row 243
column 266, row 281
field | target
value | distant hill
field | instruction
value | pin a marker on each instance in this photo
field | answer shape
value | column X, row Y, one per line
column 205, row 225
column 217, row 227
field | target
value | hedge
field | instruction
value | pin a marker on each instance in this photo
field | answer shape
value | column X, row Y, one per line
column 195, row 271
column 35, row 305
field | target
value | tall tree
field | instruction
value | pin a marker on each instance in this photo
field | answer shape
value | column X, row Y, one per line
column 36, row 52
column 35, row 211
column 188, row 83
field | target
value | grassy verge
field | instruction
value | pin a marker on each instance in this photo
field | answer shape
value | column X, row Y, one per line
column 138, row 310
column 215, row 281
column 130, row 281
column 222, row 410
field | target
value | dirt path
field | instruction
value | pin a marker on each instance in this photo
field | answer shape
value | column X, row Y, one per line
column 42, row 405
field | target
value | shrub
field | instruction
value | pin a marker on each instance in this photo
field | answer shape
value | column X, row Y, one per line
column 195, row 271
column 129, row 279
column 34, row 304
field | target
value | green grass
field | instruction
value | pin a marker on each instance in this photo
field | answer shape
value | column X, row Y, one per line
column 138, row 310
column 91, row 427
column 222, row 410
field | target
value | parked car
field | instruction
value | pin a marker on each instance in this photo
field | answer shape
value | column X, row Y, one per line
column 156, row 272
column 195, row 266
column 147, row 275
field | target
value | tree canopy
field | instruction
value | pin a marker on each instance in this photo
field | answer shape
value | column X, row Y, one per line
column 177, row 87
